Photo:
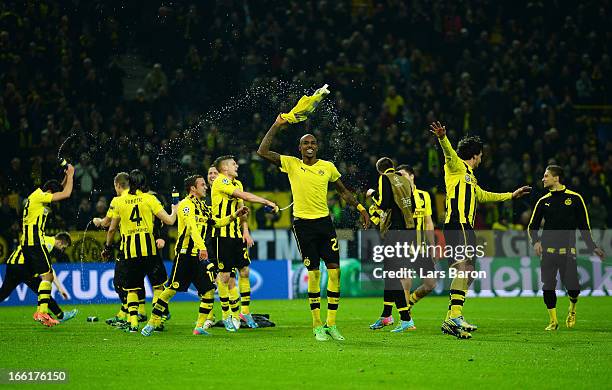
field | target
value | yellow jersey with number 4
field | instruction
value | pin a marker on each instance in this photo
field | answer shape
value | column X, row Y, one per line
column 136, row 212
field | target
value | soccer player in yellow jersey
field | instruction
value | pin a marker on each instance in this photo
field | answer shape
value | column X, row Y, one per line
column 191, row 263
column 462, row 195
column 309, row 177
column 17, row 273
column 425, row 236
column 122, row 186
column 135, row 211
column 231, row 243
column 35, row 254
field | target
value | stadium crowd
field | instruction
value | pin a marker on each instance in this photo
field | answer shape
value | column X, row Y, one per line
column 519, row 81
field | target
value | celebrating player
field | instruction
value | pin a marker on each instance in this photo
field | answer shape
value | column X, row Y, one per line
column 17, row 273
column 191, row 263
column 394, row 197
column 35, row 253
column 312, row 226
column 230, row 245
column 135, row 212
column 122, row 186
column 564, row 211
column 425, row 234
column 462, row 193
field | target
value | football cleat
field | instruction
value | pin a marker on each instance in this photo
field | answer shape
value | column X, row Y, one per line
column 382, row 322
column 159, row 328
column 68, row 315
column 570, row 321
column 236, row 322
column 147, row 330
column 208, row 324
column 404, row 325
column 142, row 317
column 113, row 321
column 200, row 331
column 249, row 320
column 465, row 325
column 552, row 326
column 45, row 319
column 320, row 333
column 229, row 324
column 131, row 329
column 452, row 327
column 334, row 332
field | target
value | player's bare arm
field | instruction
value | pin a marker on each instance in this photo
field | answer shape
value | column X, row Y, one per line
column 166, row 218
column 67, row 183
column 350, row 199
column 264, row 149
column 249, row 197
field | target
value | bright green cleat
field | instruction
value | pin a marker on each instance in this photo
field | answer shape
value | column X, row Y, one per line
column 320, row 333
column 334, row 332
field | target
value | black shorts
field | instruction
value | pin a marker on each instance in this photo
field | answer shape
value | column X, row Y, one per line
column 565, row 265
column 316, row 239
column 189, row 269
column 134, row 273
column 120, row 275
column 155, row 270
column 459, row 236
column 36, row 259
column 229, row 253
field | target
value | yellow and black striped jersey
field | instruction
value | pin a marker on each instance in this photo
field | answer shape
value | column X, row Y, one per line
column 136, row 213
column 35, row 212
column 17, row 256
column 462, row 190
column 422, row 209
column 194, row 219
column 224, row 204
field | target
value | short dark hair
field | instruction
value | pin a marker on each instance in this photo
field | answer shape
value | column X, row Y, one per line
column 469, row 147
column 556, row 171
column 405, row 167
column 122, row 179
column 190, row 181
column 138, row 181
column 384, row 163
column 64, row 236
column 219, row 160
column 53, row 186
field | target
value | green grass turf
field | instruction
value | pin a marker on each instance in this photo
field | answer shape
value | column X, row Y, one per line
column 510, row 350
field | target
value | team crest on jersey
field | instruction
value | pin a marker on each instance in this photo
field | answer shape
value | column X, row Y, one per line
column 225, row 181
column 175, row 285
column 307, row 262
column 568, row 202
column 468, row 178
column 321, row 172
column 221, row 266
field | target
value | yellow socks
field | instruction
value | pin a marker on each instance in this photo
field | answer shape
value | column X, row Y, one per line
column 161, row 306
column 132, row 303
column 233, row 301
column 224, row 298
column 458, row 291
column 245, row 294
column 314, row 296
column 44, row 295
column 333, row 295
column 157, row 290
column 206, row 305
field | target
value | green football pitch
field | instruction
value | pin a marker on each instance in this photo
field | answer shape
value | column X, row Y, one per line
column 510, row 350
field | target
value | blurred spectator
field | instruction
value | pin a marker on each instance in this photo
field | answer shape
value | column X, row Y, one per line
column 598, row 213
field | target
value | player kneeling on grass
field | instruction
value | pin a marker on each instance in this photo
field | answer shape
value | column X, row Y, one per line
column 17, row 273
column 191, row 263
